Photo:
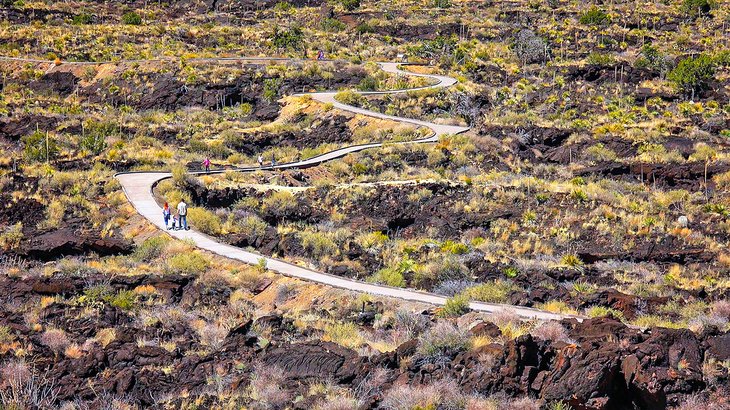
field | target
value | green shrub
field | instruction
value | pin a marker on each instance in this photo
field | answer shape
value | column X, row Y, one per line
column 601, row 59
column 150, row 249
column 601, row 311
column 456, row 248
column 11, row 236
column 697, row 8
column 455, row 306
column 332, row 25
column 491, row 292
column 389, row 276
column 349, row 97
column 318, row 244
column 132, row 19
column 595, row 17
column 571, row 260
column 280, row 203
column 369, row 83
column 40, row 146
column 693, row 73
column 293, row 38
column 204, row 220
column 6, row 335
column 187, row 264
column 350, row 5
column 442, row 340
column 511, row 272
column 124, row 299
column 344, row 334
column 271, row 88
column 83, row 18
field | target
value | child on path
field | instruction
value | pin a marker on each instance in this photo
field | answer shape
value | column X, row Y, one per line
column 166, row 215
column 206, row 164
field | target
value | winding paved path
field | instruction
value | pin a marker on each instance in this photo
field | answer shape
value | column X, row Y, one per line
column 138, row 187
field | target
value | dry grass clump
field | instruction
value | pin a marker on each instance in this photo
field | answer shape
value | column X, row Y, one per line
column 55, row 339
column 267, row 386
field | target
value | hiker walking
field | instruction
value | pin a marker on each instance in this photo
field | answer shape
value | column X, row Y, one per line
column 166, row 215
column 182, row 212
column 273, row 160
column 320, row 55
column 206, row 164
column 261, row 161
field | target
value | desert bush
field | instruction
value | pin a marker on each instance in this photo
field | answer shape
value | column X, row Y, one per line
column 318, row 244
column 23, row 388
column 187, row 264
column 40, row 147
column 455, row 306
column 442, row 340
column 595, row 17
column 652, row 58
column 530, row 48
column 441, row 394
column 552, row 331
column 556, row 306
column 267, row 386
column 152, row 248
column 601, row 311
column 280, row 203
column 212, row 335
column 410, row 323
column 492, row 292
column 293, row 38
column 349, row 97
column 271, row 88
column 343, row 333
column 456, row 248
column 124, row 299
column 389, row 276
column 55, row 339
column 452, row 287
column 132, row 19
column 204, row 220
column 251, row 226
column 693, row 73
column 350, row 5
column 697, row 8
column 12, row 236
column 601, row 59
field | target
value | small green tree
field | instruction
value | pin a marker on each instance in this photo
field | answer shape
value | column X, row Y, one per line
column 132, row 19
column 40, row 146
column 693, row 74
column 271, row 88
column 293, row 38
column 697, row 8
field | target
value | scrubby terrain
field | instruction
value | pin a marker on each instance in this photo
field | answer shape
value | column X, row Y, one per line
column 593, row 182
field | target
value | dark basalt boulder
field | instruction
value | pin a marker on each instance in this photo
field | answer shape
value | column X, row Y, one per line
column 67, row 242
column 323, row 360
column 60, row 82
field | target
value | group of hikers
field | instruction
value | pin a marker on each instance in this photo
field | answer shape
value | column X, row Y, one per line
column 179, row 218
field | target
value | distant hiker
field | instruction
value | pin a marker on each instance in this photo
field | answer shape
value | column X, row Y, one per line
column 320, row 55
column 206, row 164
column 261, row 160
column 273, row 161
column 182, row 211
column 166, row 215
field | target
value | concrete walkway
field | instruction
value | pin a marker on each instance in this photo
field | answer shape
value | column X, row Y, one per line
column 138, row 188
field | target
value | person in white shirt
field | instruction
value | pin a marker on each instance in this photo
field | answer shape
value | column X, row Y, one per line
column 182, row 211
